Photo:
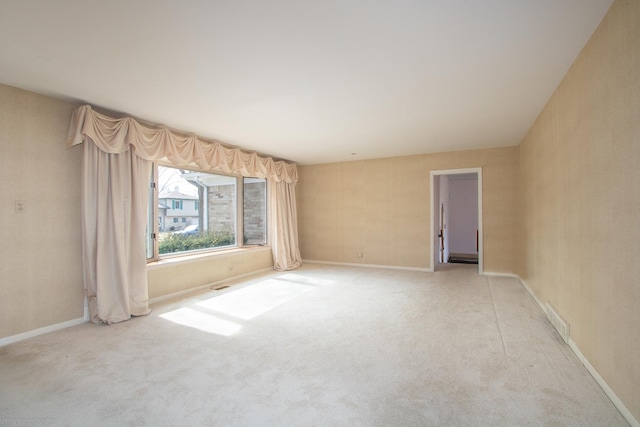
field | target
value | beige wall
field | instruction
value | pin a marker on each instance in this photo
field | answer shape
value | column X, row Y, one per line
column 40, row 266
column 380, row 208
column 167, row 277
column 40, row 250
column 580, row 174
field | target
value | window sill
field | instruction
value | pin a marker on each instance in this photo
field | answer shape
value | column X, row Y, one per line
column 182, row 259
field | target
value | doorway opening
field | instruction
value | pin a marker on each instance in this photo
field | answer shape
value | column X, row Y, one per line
column 456, row 217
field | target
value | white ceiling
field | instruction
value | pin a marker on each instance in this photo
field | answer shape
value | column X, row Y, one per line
column 309, row 81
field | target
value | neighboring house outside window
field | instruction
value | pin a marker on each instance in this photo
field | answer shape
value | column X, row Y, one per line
column 175, row 207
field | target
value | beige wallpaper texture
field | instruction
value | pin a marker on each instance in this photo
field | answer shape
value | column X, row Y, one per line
column 169, row 278
column 380, row 209
column 40, row 265
column 580, row 175
column 40, row 249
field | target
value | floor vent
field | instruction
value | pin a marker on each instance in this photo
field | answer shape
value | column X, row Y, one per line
column 558, row 322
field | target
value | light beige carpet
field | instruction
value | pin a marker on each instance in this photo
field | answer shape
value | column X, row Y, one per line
column 320, row 346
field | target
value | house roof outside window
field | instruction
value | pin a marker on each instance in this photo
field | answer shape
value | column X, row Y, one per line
column 176, row 195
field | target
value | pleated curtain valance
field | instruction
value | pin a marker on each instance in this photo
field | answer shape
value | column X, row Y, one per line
column 117, row 135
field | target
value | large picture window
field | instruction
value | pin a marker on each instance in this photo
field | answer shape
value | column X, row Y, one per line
column 196, row 211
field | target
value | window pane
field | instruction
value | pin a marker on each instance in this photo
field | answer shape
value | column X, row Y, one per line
column 197, row 210
column 255, row 211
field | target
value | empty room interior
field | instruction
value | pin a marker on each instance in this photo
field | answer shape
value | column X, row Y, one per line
column 320, row 213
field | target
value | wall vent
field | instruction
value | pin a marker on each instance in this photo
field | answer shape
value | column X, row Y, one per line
column 561, row 325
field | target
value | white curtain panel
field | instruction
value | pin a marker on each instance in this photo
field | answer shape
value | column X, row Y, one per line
column 284, row 226
column 114, row 217
column 118, row 155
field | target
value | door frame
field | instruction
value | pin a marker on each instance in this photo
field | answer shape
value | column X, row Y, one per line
column 435, row 173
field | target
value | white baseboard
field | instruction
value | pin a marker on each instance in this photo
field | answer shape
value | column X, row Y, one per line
column 352, row 264
column 206, row 286
column 41, row 331
column 603, row 384
column 511, row 275
column 533, row 295
column 596, row 376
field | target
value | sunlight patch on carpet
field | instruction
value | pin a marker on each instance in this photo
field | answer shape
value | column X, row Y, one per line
column 202, row 321
column 299, row 278
column 254, row 300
